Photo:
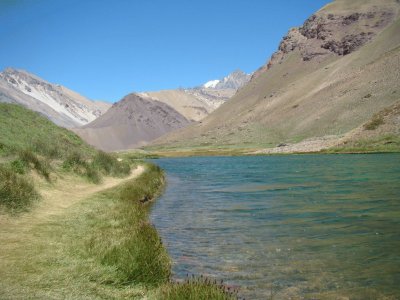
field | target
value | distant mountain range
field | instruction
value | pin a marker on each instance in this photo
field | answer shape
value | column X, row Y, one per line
column 138, row 119
column 132, row 122
column 198, row 102
column 61, row 105
column 233, row 81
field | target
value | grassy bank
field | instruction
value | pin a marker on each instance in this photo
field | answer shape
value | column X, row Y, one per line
column 382, row 144
column 100, row 247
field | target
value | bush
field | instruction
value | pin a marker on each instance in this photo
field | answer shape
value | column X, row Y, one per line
column 16, row 192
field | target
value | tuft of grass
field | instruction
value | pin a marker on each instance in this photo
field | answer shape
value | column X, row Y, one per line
column 31, row 160
column 109, row 164
column 197, row 288
column 16, row 192
column 101, row 163
column 78, row 164
column 18, row 166
column 375, row 122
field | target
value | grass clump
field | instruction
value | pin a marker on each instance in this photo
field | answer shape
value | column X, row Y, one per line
column 385, row 143
column 32, row 161
column 375, row 122
column 196, row 288
column 16, row 192
column 78, row 164
column 109, row 164
column 94, row 167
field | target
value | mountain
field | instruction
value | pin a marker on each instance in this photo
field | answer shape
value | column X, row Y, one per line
column 198, row 102
column 59, row 104
column 234, row 81
column 130, row 123
column 327, row 78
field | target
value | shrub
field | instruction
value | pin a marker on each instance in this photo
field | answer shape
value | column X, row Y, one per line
column 16, row 192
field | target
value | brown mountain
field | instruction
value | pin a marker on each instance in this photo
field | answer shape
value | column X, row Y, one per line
column 328, row 77
column 198, row 102
column 130, row 123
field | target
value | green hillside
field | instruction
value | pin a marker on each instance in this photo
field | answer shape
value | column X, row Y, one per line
column 21, row 129
column 31, row 144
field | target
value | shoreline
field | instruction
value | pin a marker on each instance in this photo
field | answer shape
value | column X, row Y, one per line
column 227, row 152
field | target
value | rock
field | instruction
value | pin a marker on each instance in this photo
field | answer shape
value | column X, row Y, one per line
column 351, row 19
column 347, row 44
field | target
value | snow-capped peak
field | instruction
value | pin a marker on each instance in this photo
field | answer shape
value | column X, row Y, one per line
column 211, row 84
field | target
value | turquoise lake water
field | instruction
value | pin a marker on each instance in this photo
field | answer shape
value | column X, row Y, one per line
column 300, row 227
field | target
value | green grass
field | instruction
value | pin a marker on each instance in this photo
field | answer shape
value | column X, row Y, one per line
column 23, row 129
column 131, row 246
column 31, row 142
column 375, row 122
column 30, row 160
column 101, row 163
column 108, row 164
column 16, row 191
column 100, row 248
column 196, row 288
column 385, row 143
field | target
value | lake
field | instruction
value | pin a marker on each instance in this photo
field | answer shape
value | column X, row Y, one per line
column 297, row 226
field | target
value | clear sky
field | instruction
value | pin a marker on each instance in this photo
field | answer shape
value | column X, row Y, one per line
column 105, row 49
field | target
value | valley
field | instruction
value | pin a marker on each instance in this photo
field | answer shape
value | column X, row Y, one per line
column 240, row 186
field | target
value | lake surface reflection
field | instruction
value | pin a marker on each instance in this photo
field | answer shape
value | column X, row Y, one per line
column 301, row 226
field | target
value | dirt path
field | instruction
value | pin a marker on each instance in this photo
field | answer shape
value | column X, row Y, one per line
column 35, row 254
column 59, row 196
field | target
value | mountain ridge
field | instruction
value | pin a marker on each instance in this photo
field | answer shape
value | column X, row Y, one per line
column 198, row 102
column 61, row 105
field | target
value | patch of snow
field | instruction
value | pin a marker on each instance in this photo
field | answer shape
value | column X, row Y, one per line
column 211, row 84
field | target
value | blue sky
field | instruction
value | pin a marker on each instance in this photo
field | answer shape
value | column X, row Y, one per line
column 105, row 49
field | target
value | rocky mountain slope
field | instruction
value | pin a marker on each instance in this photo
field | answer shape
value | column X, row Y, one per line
column 130, row 123
column 59, row 104
column 328, row 77
column 196, row 103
